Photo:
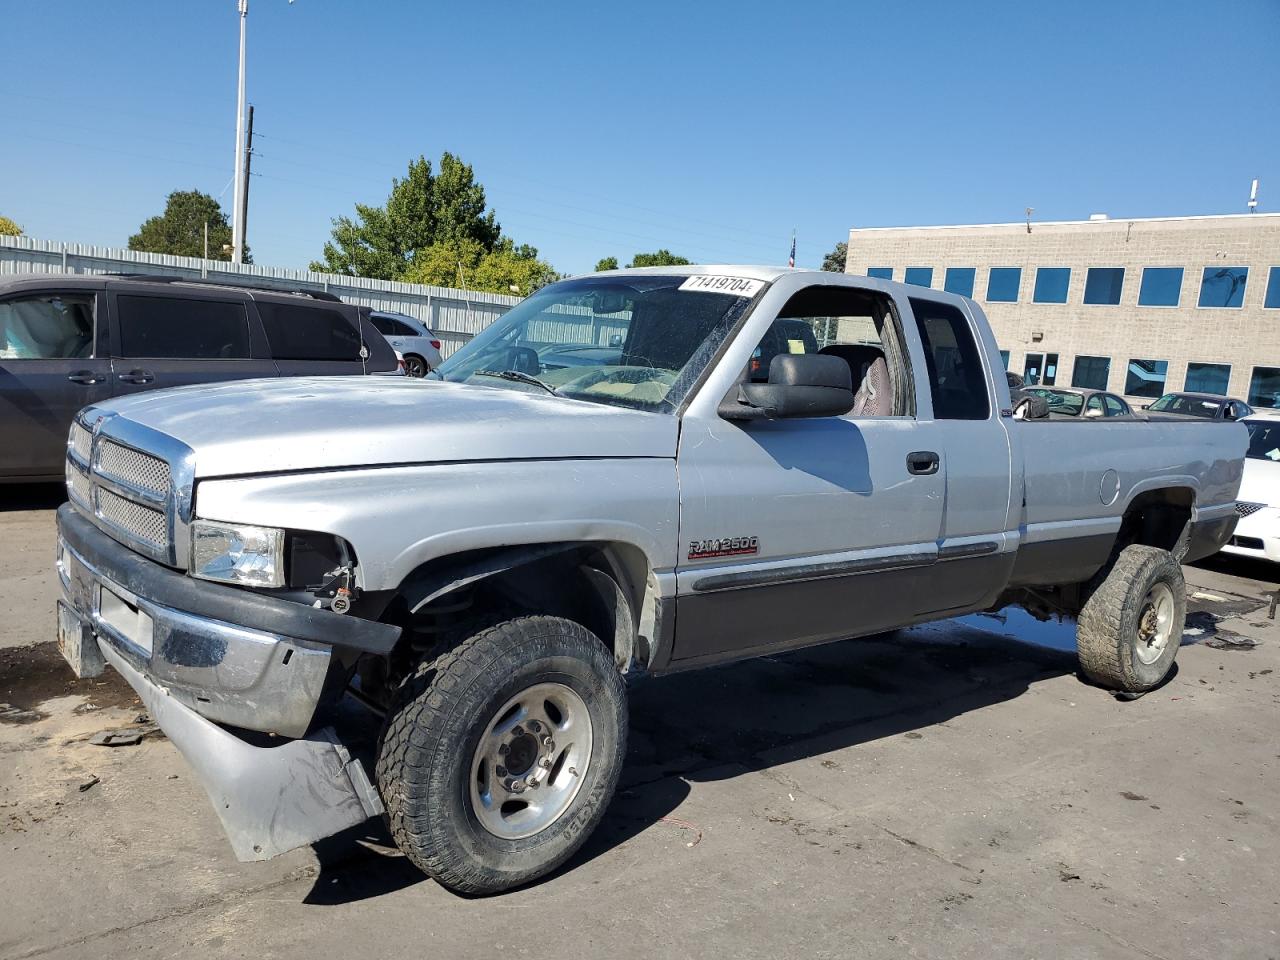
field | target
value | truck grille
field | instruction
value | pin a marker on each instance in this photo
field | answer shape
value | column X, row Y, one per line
column 81, row 441
column 1244, row 508
column 131, row 494
column 129, row 466
column 79, row 486
column 143, row 523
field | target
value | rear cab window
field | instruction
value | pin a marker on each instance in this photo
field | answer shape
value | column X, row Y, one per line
column 956, row 377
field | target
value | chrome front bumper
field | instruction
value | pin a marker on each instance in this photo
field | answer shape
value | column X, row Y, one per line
column 231, row 674
column 191, row 670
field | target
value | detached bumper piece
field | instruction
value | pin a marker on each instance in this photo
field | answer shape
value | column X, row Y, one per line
column 270, row 799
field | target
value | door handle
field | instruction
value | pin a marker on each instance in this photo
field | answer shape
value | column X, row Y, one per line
column 136, row 376
column 86, row 377
column 923, row 463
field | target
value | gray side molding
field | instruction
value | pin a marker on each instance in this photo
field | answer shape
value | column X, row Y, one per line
column 270, row 799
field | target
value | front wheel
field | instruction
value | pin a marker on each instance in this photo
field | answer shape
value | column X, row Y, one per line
column 499, row 758
column 1129, row 630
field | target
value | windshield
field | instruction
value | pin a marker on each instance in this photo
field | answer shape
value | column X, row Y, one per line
column 638, row 341
column 1060, row 401
column 1264, row 440
column 1187, row 406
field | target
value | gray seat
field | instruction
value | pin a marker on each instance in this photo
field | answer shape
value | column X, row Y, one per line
column 870, row 374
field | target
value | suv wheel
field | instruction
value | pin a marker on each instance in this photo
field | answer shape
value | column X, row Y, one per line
column 415, row 366
column 499, row 758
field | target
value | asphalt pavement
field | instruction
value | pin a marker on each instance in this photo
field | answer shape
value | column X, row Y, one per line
column 955, row 791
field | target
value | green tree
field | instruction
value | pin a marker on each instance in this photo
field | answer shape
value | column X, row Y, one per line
column 659, row 258
column 423, row 209
column 606, row 263
column 834, row 261
column 180, row 229
column 466, row 263
column 8, row 228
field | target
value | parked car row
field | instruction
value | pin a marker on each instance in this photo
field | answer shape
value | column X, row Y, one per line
column 70, row 340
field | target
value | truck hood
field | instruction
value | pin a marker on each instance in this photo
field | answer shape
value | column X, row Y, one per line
column 319, row 423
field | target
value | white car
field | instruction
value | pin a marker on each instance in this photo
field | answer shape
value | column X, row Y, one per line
column 1258, row 504
column 411, row 339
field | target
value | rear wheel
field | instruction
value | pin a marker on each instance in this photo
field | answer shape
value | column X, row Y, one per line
column 1129, row 630
column 499, row 758
column 415, row 366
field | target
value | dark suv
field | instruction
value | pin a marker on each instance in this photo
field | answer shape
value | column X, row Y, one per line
column 70, row 340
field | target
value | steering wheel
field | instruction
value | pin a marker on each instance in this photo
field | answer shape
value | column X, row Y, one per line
column 624, row 375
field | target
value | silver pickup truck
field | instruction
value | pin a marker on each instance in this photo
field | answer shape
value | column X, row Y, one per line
column 631, row 473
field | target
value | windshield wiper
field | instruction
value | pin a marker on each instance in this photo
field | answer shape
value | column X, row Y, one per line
column 517, row 376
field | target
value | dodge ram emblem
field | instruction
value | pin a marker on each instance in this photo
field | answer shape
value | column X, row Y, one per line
column 726, row 547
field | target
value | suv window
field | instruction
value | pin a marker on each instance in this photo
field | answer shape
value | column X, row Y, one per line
column 46, row 327
column 955, row 366
column 182, row 329
column 310, row 332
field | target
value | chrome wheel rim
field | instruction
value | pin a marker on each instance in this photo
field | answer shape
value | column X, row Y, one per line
column 1155, row 623
column 531, row 761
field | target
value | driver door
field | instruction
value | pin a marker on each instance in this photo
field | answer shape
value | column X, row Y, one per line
column 805, row 530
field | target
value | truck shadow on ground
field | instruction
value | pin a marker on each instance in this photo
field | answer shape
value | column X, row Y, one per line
column 753, row 716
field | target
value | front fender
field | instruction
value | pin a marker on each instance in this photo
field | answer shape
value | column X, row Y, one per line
column 398, row 518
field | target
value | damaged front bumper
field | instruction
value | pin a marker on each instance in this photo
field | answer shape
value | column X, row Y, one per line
column 151, row 624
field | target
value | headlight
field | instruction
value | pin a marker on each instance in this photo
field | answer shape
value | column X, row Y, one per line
column 235, row 553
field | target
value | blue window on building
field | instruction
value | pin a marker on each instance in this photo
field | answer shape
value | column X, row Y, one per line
column 1146, row 378
column 1091, row 372
column 880, row 273
column 1208, row 377
column 1003, row 283
column 959, row 280
column 1051, row 285
column 1273, row 290
column 1102, row 285
column 920, row 276
column 1264, row 387
column 1223, row 286
column 1161, row 287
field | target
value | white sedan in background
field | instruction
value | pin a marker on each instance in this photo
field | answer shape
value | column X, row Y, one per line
column 1258, row 532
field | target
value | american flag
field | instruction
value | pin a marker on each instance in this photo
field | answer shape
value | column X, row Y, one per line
column 791, row 260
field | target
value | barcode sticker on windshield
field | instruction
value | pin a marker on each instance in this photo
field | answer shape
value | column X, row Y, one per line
column 713, row 283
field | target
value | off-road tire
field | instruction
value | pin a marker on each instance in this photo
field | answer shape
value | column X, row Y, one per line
column 1107, row 628
column 435, row 721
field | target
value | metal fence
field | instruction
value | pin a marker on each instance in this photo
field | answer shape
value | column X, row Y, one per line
column 454, row 315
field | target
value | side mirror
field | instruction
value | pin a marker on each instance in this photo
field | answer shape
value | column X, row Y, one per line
column 800, row 385
column 1030, row 407
column 1093, row 414
column 1146, row 406
column 524, row 360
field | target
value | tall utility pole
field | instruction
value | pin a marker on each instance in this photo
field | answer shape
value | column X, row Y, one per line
column 242, row 178
column 243, row 222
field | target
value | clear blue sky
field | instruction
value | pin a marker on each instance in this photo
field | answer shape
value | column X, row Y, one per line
column 710, row 128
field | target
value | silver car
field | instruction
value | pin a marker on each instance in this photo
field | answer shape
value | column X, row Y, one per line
column 411, row 339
